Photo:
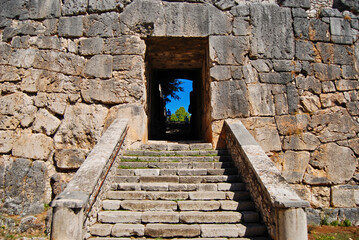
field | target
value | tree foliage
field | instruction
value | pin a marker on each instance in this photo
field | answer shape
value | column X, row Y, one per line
column 170, row 87
column 180, row 115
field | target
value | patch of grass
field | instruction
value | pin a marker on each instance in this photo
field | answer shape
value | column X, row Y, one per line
column 130, row 167
column 346, row 223
column 324, row 221
column 325, row 237
column 334, row 223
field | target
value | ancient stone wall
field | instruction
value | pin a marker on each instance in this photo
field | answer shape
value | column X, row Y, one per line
column 288, row 70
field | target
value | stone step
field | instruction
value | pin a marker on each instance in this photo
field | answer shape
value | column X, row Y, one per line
column 236, row 186
column 165, row 146
column 175, row 158
column 176, row 165
column 178, row 179
column 176, row 172
column 194, row 195
column 176, row 153
column 157, row 230
column 147, row 238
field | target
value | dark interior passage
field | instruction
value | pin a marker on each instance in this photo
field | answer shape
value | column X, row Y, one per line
column 175, row 58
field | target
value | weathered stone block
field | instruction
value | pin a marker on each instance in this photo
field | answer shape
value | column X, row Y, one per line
column 310, row 102
column 219, row 22
column 351, row 5
column 23, row 57
column 33, row 146
column 103, row 25
column 346, row 85
column 91, row 46
column 219, row 230
column 353, row 108
column 299, row 13
column 99, row 66
column 281, row 104
column 275, row 77
column 88, row 122
column 335, row 54
column 332, row 99
column 45, row 122
column 66, row 63
column 111, row 91
column 128, row 230
column 229, row 99
column 295, row 164
column 130, row 45
column 220, row 72
column 5, row 52
column 261, row 100
column 101, row 5
column 119, row 217
column 160, row 217
column 338, row 161
column 308, row 83
column 209, row 217
column 298, row 142
column 199, row 205
column 195, row 20
column 345, row 196
column 268, row 138
column 101, row 230
column 131, row 66
column 304, row 50
column 228, row 50
column 71, row 26
column 241, row 26
column 175, row 230
column 326, row 72
column 8, row 122
column 69, row 158
column 301, row 28
column 6, row 141
column 73, row 7
column 286, row 66
column 241, row 10
column 272, row 33
column 250, row 74
column 318, row 30
column 340, row 27
column 291, row 124
column 295, row 3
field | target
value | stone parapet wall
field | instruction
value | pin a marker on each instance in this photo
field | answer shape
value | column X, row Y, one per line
column 69, row 68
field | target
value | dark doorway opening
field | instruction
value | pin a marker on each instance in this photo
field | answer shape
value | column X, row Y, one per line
column 176, row 58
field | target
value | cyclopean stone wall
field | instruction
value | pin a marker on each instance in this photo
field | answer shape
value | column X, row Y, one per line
column 287, row 69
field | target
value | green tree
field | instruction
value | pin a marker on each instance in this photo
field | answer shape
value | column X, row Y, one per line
column 170, row 87
column 180, row 115
column 173, row 118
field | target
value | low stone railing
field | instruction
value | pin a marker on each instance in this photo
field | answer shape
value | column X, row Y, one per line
column 282, row 210
column 77, row 206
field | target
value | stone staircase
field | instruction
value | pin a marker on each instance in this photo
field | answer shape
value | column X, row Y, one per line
column 178, row 191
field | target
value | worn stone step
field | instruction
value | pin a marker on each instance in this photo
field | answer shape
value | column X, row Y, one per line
column 178, row 179
column 148, row 238
column 143, row 195
column 230, row 205
column 175, row 165
column 148, row 205
column 165, row 146
column 176, row 158
column 176, row 153
column 176, row 172
column 119, row 217
column 210, row 217
column 172, row 230
column 160, row 217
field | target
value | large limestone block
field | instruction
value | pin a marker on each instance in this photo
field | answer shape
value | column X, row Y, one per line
column 128, row 230
column 73, row 7
column 71, row 26
column 102, row 25
column 91, row 46
column 55, row 102
column 23, row 57
column 129, row 66
column 102, row 5
column 20, row 106
column 308, row 83
column 261, row 100
column 305, row 50
column 8, row 122
column 295, row 164
column 66, row 63
column 337, row 161
column 335, row 53
column 131, row 45
column 145, row 17
column 26, row 189
column 346, row 196
column 272, row 33
column 6, row 141
column 228, row 49
column 99, row 66
column 229, row 99
column 5, row 51
column 45, row 122
column 69, row 158
column 302, row 141
column 175, row 230
column 82, row 126
column 33, row 146
column 327, row 72
column 292, row 124
column 113, row 91
column 268, row 138
column 334, row 126
column 220, row 23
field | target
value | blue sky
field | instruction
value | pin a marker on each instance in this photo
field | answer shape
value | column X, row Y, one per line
column 184, row 97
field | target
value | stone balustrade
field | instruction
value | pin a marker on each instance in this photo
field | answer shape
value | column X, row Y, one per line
column 282, row 209
column 76, row 207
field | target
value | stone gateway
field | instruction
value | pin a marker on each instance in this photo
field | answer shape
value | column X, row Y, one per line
column 287, row 69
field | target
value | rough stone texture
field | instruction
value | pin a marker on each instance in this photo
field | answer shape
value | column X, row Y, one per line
column 338, row 161
column 6, row 141
column 100, row 66
column 102, row 25
column 69, row 158
column 71, row 26
column 228, row 50
column 34, row 146
column 229, row 92
column 295, row 165
column 267, row 39
column 86, row 122
column 45, row 122
column 260, row 99
column 91, row 46
column 303, row 141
